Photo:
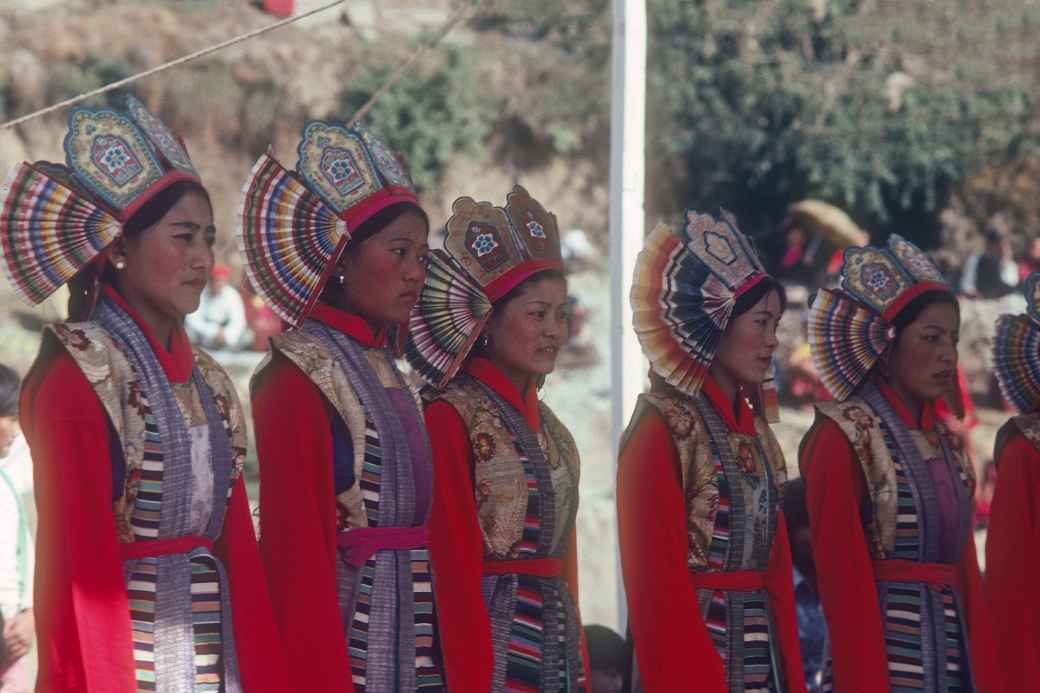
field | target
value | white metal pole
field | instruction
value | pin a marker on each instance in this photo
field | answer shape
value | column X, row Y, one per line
column 627, row 180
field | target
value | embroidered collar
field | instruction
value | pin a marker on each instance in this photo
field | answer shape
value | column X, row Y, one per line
column 927, row 420
column 178, row 360
column 354, row 326
column 491, row 375
column 743, row 421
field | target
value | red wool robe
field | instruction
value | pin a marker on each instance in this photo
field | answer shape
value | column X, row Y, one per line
column 456, row 541
column 1012, row 562
column 82, row 610
column 672, row 644
column 298, row 526
column 836, row 493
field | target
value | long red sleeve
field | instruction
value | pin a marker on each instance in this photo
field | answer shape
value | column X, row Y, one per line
column 781, row 592
column 570, row 576
column 983, row 653
column 834, row 491
column 82, row 611
column 670, row 637
column 298, row 527
column 457, row 554
column 1012, row 562
column 261, row 658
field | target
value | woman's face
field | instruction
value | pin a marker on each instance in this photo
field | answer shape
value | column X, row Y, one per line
column 526, row 333
column 924, row 359
column 385, row 273
column 167, row 265
column 746, row 349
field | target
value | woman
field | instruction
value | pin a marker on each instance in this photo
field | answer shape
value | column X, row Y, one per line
column 502, row 531
column 338, row 249
column 137, row 441
column 704, row 551
column 1014, row 523
column 889, row 489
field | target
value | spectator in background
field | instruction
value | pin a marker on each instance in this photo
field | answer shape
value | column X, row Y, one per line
column 609, row 660
column 1030, row 262
column 992, row 273
column 220, row 321
column 812, row 627
column 16, row 543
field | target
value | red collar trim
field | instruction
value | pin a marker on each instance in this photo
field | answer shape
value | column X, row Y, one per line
column 927, row 422
column 178, row 361
column 743, row 421
column 354, row 326
column 491, row 375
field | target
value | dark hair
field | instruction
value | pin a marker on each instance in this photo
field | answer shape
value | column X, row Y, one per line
column 83, row 286
column 796, row 514
column 608, row 651
column 10, row 384
column 752, row 296
column 912, row 310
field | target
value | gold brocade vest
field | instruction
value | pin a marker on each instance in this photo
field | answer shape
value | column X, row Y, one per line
column 500, row 481
column 313, row 358
column 702, row 474
column 117, row 386
column 861, row 425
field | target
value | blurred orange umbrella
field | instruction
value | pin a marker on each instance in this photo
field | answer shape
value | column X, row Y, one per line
column 826, row 220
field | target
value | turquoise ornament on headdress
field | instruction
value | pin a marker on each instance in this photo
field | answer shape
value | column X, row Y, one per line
column 850, row 329
column 55, row 220
column 125, row 160
column 296, row 224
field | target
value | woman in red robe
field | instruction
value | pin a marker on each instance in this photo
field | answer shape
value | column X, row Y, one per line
column 1014, row 523
column 338, row 249
column 137, row 441
column 704, row 552
column 506, row 497
column 889, row 488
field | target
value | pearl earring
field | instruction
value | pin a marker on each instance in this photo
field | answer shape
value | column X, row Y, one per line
column 120, row 265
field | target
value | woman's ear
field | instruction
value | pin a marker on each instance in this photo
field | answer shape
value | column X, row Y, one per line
column 115, row 254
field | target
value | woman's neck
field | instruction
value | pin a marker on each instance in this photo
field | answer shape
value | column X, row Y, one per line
column 727, row 383
column 161, row 324
column 913, row 403
column 520, row 379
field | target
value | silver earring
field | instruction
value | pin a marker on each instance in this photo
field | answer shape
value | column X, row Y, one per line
column 120, row 265
column 341, row 278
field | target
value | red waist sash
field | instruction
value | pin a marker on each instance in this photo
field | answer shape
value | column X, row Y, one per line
column 934, row 574
column 731, row 580
column 151, row 548
column 359, row 544
column 539, row 567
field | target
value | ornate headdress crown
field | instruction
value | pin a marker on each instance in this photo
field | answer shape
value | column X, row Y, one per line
column 1016, row 351
column 295, row 224
column 850, row 329
column 487, row 251
column 683, row 293
column 501, row 246
column 54, row 220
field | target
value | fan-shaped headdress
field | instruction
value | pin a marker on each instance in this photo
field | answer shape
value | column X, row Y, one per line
column 685, row 286
column 55, row 220
column 850, row 329
column 1016, row 351
column 296, row 224
column 485, row 252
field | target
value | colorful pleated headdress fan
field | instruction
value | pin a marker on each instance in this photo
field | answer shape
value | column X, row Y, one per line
column 1016, row 351
column 849, row 329
column 296, row 224
column 483, row 253
column 55, row 220
column 685, row 286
